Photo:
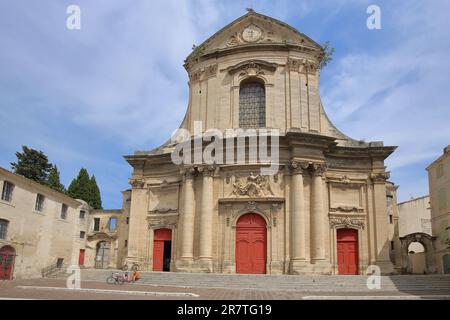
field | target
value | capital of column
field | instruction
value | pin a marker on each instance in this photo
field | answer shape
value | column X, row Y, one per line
column 380, row 177
column 188, row 173
column 207, row 171
column 297, row 167
column 319, row 169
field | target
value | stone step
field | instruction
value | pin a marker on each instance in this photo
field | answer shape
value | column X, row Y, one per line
column 283, row 282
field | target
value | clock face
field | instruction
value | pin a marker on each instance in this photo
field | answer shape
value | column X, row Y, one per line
column 251, row 34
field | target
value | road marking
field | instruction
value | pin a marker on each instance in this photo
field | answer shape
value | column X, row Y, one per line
column 7, row 298
column 127, row 292
column 431, row 297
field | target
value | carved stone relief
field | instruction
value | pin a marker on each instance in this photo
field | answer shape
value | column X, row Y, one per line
column 347, row 222
column 253, row 186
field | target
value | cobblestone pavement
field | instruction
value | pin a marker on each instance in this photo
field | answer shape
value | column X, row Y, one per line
column 54, row 289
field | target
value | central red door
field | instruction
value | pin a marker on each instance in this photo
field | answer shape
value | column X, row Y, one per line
column 159, row 254
column 347, row 251
column 251, row 244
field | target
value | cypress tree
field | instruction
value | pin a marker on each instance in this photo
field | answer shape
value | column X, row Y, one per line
column 80, row 187
column 53, row 180
column 95, row 194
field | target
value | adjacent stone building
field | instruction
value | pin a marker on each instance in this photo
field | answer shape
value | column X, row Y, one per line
column 439, row 183
column 106, row 241
column 415, row 232
column 43, row 231
column 324, row 211
column 37, row 227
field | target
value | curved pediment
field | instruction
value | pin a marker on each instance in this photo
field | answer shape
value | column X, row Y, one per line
column 254, row 29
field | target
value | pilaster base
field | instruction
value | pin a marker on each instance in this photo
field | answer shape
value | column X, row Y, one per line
column 184, row 265
column 299, row 267
column 275, row 267
column 205, row 265
column 321, row 267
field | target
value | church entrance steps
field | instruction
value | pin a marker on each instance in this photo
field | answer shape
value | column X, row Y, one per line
column 300, row 283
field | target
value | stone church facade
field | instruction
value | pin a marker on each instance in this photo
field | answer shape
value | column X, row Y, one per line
column 325, row 209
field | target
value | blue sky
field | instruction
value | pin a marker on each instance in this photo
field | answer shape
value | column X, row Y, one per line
column 87, row 97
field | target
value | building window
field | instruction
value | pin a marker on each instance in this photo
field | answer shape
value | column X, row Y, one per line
column 60, row 263
column 64, row 209
column 126, row 243
column 82, row 234
column 96, row 224
column 252, row 105
column 112, row 225
column 128, row 220
column 391, row 220
column 39, row 203
column 392, row 245
column 3, row 228
column 82, row 214
column 7, row 191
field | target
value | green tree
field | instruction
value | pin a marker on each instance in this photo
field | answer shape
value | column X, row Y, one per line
column 32, row 164
column 79, row 188
column 53, row 180
column 85, row 188
column 328, row 52
column 95, row 194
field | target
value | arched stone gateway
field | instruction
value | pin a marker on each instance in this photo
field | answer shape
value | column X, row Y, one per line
column 102, row 255
column 427, row 241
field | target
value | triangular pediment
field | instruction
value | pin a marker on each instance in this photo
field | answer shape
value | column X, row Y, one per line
column 254, row 28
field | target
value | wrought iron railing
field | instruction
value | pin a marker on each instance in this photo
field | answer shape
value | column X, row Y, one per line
column 52, row 269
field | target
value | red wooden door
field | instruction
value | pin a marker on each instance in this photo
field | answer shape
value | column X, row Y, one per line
column 251, row 244
column 160, row 236
column 347, row 251
column 81, row 257
column 7, row 255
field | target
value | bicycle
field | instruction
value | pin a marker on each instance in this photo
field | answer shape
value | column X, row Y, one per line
column 134, row 267
column 115, row 278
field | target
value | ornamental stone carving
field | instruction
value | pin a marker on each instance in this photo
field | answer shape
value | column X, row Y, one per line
column 380, row 177
column 250, row 34
column 319, row 169
column 252, row 67
column 302, row 65
column 347, row 209
column 137, row 183
column 188, row 172
column 207, row 171
column 204, row 73
column 347, row 222
column 298, row 167
column 252, row 186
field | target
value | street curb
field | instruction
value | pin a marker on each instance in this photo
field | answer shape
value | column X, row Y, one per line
column 124, row 292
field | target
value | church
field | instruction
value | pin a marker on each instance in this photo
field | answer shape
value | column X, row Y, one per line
column 325, row 209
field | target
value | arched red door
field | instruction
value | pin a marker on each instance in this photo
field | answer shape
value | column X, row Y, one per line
column 251, row 244
column 162, row 245
column 347, row 251
column 7, row 255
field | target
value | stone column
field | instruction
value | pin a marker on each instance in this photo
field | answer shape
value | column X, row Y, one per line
column 206, row 219
column 299, row 255
column 138, row 223
column 187, row 238
column 382, row 241
column 319, row 223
